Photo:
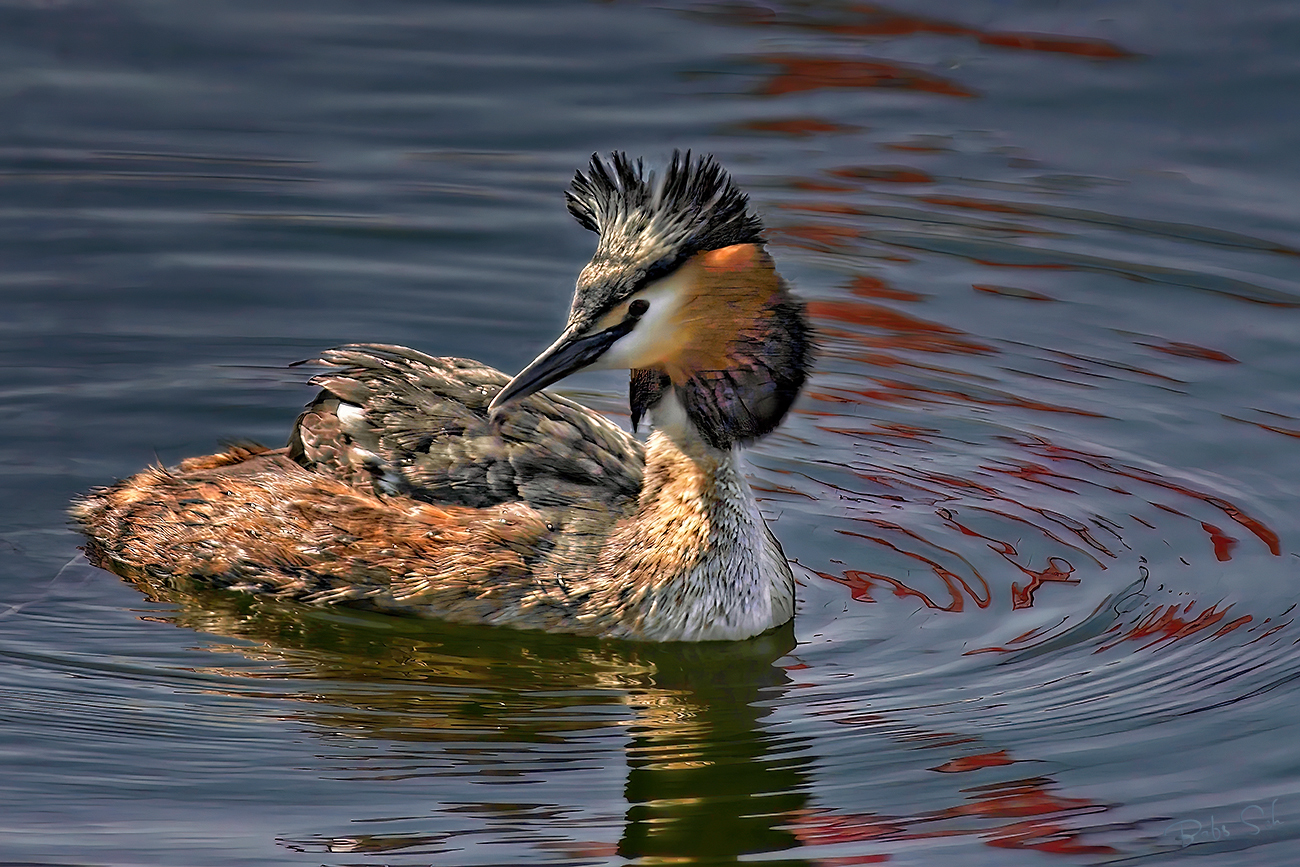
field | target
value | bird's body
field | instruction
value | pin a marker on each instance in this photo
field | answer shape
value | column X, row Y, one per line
column 440, row 487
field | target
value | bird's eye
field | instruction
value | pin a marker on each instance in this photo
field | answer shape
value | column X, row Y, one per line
column 638, row 308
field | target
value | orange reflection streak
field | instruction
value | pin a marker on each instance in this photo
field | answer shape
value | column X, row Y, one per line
column 954, row 583
column 770, row 488
column 800, row 74
column 998, row 546
column 976, row 204
column 1023, row 597
column 873, row 287
column 887, row 174
column 860, row 584
column 1095, row 48
column 1268, row 427
column 1013, row 814
column 822, row 236
column 1191, row 350
column 1045, row 837
column 867, row 19
column 1059, row 570
column 1060, row 545
column 981, row 599
column 1091, row 537
column 1016, row 799
column 871, row 20
column 822, row 208
column 825, row 828
column 1059, row 453
column 819, row 186
column 799, row 127
column 1168, row 623
column 1017, row 813
column 1222, row 544
column 913, row 147
column 966, row 764
column 930, row 334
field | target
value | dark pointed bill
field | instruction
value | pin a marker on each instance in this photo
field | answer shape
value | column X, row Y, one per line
column 572, row 352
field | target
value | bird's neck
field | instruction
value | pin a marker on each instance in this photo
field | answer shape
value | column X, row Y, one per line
column 697, row 554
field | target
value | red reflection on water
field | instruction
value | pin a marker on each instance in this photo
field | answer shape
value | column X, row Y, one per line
column 819, row 186
column 915, row 147
column 1015, row 799
column 958, row 588
column 1170, row 622
column 827, row 828
column 1058, row 571
column 860, row 584
column 770, row 488
column 798, row 74
column 1045, row 837
column 886, row 174
column 1037, row 42
column 975, row 204
column 1064, row 471
column 909, row 332
column 1011, row 814
column 1191, row 350
column 873, row 287
column 1164, row 623
column 823, row 208
column 799, row 127
column 1268, row 427
column 817, row 236
column 1059, row 453
column 872, row 20
column 1222, row 544
column 965, row 764
column 1018, row 799
column 1051, row 515
column 867, row 19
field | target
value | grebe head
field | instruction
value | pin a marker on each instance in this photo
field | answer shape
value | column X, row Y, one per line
column 680, row 291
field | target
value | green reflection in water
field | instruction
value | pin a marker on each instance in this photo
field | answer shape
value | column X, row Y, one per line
column 707, row 781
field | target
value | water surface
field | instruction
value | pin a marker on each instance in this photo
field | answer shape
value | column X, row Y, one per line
column 1041, row 490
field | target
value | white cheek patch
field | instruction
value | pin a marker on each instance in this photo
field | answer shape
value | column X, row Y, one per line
column 645, row 345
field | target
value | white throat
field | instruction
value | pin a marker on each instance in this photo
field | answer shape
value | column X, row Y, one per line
column 741, row 584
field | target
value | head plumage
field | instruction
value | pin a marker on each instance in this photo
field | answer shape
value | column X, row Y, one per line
column 650, row 225
column 696, row 206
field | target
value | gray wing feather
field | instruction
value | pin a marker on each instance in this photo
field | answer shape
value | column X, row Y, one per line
column 401, row 422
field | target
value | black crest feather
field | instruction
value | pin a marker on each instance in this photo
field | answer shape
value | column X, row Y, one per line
column 649, row 225
column 696, row 206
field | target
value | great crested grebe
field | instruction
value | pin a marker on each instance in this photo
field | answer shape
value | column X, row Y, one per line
column 440, row 487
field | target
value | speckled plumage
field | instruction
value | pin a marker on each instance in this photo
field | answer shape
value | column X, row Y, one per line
column 439, row 487
column 424, row 433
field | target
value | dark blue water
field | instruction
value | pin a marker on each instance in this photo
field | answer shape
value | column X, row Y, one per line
column 1042, row 490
